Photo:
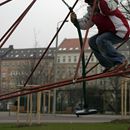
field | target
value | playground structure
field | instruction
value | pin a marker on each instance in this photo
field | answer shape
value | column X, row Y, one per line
column 28, row 90
column 30, row 115
column 124, row 94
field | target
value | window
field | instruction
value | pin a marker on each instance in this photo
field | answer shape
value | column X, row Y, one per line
column 60, row 49
column 31, row 55
column 58, row 59
column 71, row 49
column 40, row 50
column 69, row 58
column 64, row 58
column 16, row 55
column 86, row 57
column 3, row 75
column 77, row 48
column 64, row 49
column 75, row 58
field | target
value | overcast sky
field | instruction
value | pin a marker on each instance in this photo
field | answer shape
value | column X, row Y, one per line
column 40, row 23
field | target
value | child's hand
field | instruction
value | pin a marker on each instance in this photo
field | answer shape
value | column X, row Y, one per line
column 73, row 17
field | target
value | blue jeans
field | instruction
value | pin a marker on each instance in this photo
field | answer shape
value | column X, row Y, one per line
column 103, row 48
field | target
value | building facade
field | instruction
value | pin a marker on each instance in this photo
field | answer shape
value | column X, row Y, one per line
column 17, row 64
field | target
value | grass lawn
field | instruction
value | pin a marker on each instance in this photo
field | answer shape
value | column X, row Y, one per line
column 67, row 126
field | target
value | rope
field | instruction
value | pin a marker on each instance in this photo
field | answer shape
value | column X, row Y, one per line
column 125, row 8
column 49, row 45
column 15, row 24
column 60, row 84
column 5, row 2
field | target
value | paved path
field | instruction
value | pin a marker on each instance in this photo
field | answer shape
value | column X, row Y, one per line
column 68, row 118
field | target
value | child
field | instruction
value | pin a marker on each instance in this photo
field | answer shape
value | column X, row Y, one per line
column 113, row 28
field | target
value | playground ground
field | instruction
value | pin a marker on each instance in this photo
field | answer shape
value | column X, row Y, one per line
column 13, row 117
column 12, row 121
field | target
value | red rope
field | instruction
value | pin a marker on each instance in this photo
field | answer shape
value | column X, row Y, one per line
column 48, row 46
column 35, row 89
column 8, row 33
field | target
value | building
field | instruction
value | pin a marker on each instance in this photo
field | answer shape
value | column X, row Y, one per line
column 17, row 64
column 68, row 56
column 67, row 59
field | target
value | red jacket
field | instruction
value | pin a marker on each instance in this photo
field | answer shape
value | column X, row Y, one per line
column 108, row 19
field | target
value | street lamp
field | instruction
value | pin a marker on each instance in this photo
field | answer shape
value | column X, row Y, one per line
column 55, row 67
column 57, row 27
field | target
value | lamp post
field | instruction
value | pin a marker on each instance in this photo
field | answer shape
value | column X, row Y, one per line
column 55, row 67
column 129, row 86
column 0, row 76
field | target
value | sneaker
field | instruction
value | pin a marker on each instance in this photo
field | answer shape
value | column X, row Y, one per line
column 116, row 67
column 107, row 69
column 121, row 66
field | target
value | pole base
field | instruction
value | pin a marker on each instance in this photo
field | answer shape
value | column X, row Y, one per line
column 86, row 112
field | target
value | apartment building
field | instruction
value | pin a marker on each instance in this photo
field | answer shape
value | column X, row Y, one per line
column 68, row 56
column 108, row 88
column 17, row 64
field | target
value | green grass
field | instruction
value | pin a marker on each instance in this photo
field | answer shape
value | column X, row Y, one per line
column 67, row 126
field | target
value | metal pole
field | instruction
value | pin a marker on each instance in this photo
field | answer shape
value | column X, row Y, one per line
column 28, row 100
column 125, row 98
column 83, row 64
column 30, row 119
column 38, row 107
column 55, row 68
column 122, row 99
column 18, row 109
column 0, row 76
column 129, row 100
column 44, row 102
column 49, row 101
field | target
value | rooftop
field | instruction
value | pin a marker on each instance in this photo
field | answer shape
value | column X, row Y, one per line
column 11, row 53
column 71, row 44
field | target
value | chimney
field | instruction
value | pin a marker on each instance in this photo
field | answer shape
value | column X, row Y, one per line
column 11, row 46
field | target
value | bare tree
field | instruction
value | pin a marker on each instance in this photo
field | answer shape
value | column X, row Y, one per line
column 44, row 72
column 125, row 8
